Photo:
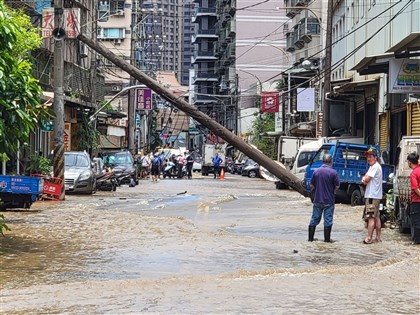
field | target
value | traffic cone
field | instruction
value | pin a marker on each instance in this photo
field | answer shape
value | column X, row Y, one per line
column 222, row 173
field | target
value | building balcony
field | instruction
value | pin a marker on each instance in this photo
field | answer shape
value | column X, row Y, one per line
column 302, row 34
column 203, row 55
column 209, row 34
column 203, row 99
column 307, row 28
column 199, row 12
column 205, row 76
column 293, row 7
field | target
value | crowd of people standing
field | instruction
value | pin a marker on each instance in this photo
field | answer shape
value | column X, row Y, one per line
column 154, row 165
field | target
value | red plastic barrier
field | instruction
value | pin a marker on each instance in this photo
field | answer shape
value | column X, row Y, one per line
column 52, row 187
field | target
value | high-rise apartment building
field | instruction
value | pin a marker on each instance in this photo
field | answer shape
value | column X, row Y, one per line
column 214, row 78
column 187, row 48
column 164, row 42
column 204, row 39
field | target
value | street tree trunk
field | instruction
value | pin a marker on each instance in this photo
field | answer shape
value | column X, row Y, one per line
column 199, row 116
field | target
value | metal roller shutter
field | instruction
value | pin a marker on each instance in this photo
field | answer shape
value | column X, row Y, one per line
column 360, row 104
column 384, row 131
column 415, row 118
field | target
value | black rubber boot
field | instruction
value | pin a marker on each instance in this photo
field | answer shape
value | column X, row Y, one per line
column 311, row 232
column 416, row 236
column 327, row 234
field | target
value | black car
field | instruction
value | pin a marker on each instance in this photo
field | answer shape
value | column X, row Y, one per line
column 123, row 164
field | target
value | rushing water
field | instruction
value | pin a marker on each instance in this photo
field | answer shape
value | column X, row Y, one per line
column 199, row 246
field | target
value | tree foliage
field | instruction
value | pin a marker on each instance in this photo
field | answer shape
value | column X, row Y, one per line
column 262, row 124
column 21, row 109
column 87, row 136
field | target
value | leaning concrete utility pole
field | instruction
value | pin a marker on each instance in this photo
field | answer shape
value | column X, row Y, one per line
column 59, row 35
column 202, row 118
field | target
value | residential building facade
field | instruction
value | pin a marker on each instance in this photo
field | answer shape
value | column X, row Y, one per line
column 376, row 69
column 84, row 85
column 305, row 42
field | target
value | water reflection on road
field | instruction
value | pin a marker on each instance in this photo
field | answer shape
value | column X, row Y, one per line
column 199, row 246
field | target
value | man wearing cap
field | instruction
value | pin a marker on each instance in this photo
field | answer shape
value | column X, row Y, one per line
column 373, row 195
column 413, row 163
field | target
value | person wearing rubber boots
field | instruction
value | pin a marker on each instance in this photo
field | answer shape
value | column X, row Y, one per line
column 373, row 195
column 413, row 163
column 324, row 183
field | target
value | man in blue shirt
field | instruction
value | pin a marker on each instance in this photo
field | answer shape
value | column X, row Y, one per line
column 216, row 164
column 324, row 182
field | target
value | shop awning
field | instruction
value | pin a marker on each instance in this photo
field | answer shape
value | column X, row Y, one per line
column 373, row 64
column 48, row 97
column 409, row 43
column 351, row 86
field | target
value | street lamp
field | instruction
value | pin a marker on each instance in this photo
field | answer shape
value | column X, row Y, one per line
column 93, row 117
column 258, row 89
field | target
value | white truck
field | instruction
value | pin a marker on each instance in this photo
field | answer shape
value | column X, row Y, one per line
column 401, row 183
column 288, row 147
column 209, row 151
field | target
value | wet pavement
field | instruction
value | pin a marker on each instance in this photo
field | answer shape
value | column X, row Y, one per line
column 201, row 246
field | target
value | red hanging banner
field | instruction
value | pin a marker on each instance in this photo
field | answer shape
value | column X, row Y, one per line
column 270, row 102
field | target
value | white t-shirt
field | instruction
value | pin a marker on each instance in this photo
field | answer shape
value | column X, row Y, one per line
column 374, row 187
column 146, row 161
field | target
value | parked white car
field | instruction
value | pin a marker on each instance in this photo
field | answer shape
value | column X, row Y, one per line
column 79, row 176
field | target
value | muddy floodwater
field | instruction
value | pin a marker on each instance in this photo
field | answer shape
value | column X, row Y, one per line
column 201, row 246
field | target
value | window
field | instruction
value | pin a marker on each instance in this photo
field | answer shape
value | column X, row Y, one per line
column 321, row 152
column 111, row 33
column 304, row 158
column 103, row 11
column 117, row 7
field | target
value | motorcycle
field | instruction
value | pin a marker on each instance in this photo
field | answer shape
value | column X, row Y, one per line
column 122, row 177
column 106, row 181
column 169, row 170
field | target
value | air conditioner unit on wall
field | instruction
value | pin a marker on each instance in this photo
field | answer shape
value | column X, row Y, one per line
column 117, row 41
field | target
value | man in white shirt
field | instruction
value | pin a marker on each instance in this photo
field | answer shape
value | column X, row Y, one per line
column 373, row 195
column 146, row 162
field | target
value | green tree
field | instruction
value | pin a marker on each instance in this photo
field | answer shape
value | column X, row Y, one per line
column 21, row 109
column 87, row 135
column 263, row 123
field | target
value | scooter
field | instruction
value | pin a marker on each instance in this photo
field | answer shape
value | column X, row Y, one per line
column 168, row 171
column 121, row 177
column 107, row 181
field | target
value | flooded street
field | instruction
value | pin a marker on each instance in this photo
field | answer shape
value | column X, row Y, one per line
column 201, row 246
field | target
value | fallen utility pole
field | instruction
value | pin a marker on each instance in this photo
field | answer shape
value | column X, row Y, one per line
column 199, row 116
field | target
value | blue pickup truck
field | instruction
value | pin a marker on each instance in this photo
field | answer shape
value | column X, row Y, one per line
column 349, row 161
column 19, row 191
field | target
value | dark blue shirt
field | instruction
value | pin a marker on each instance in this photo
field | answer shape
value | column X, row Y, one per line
column 217, row 160
column 325, row 179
